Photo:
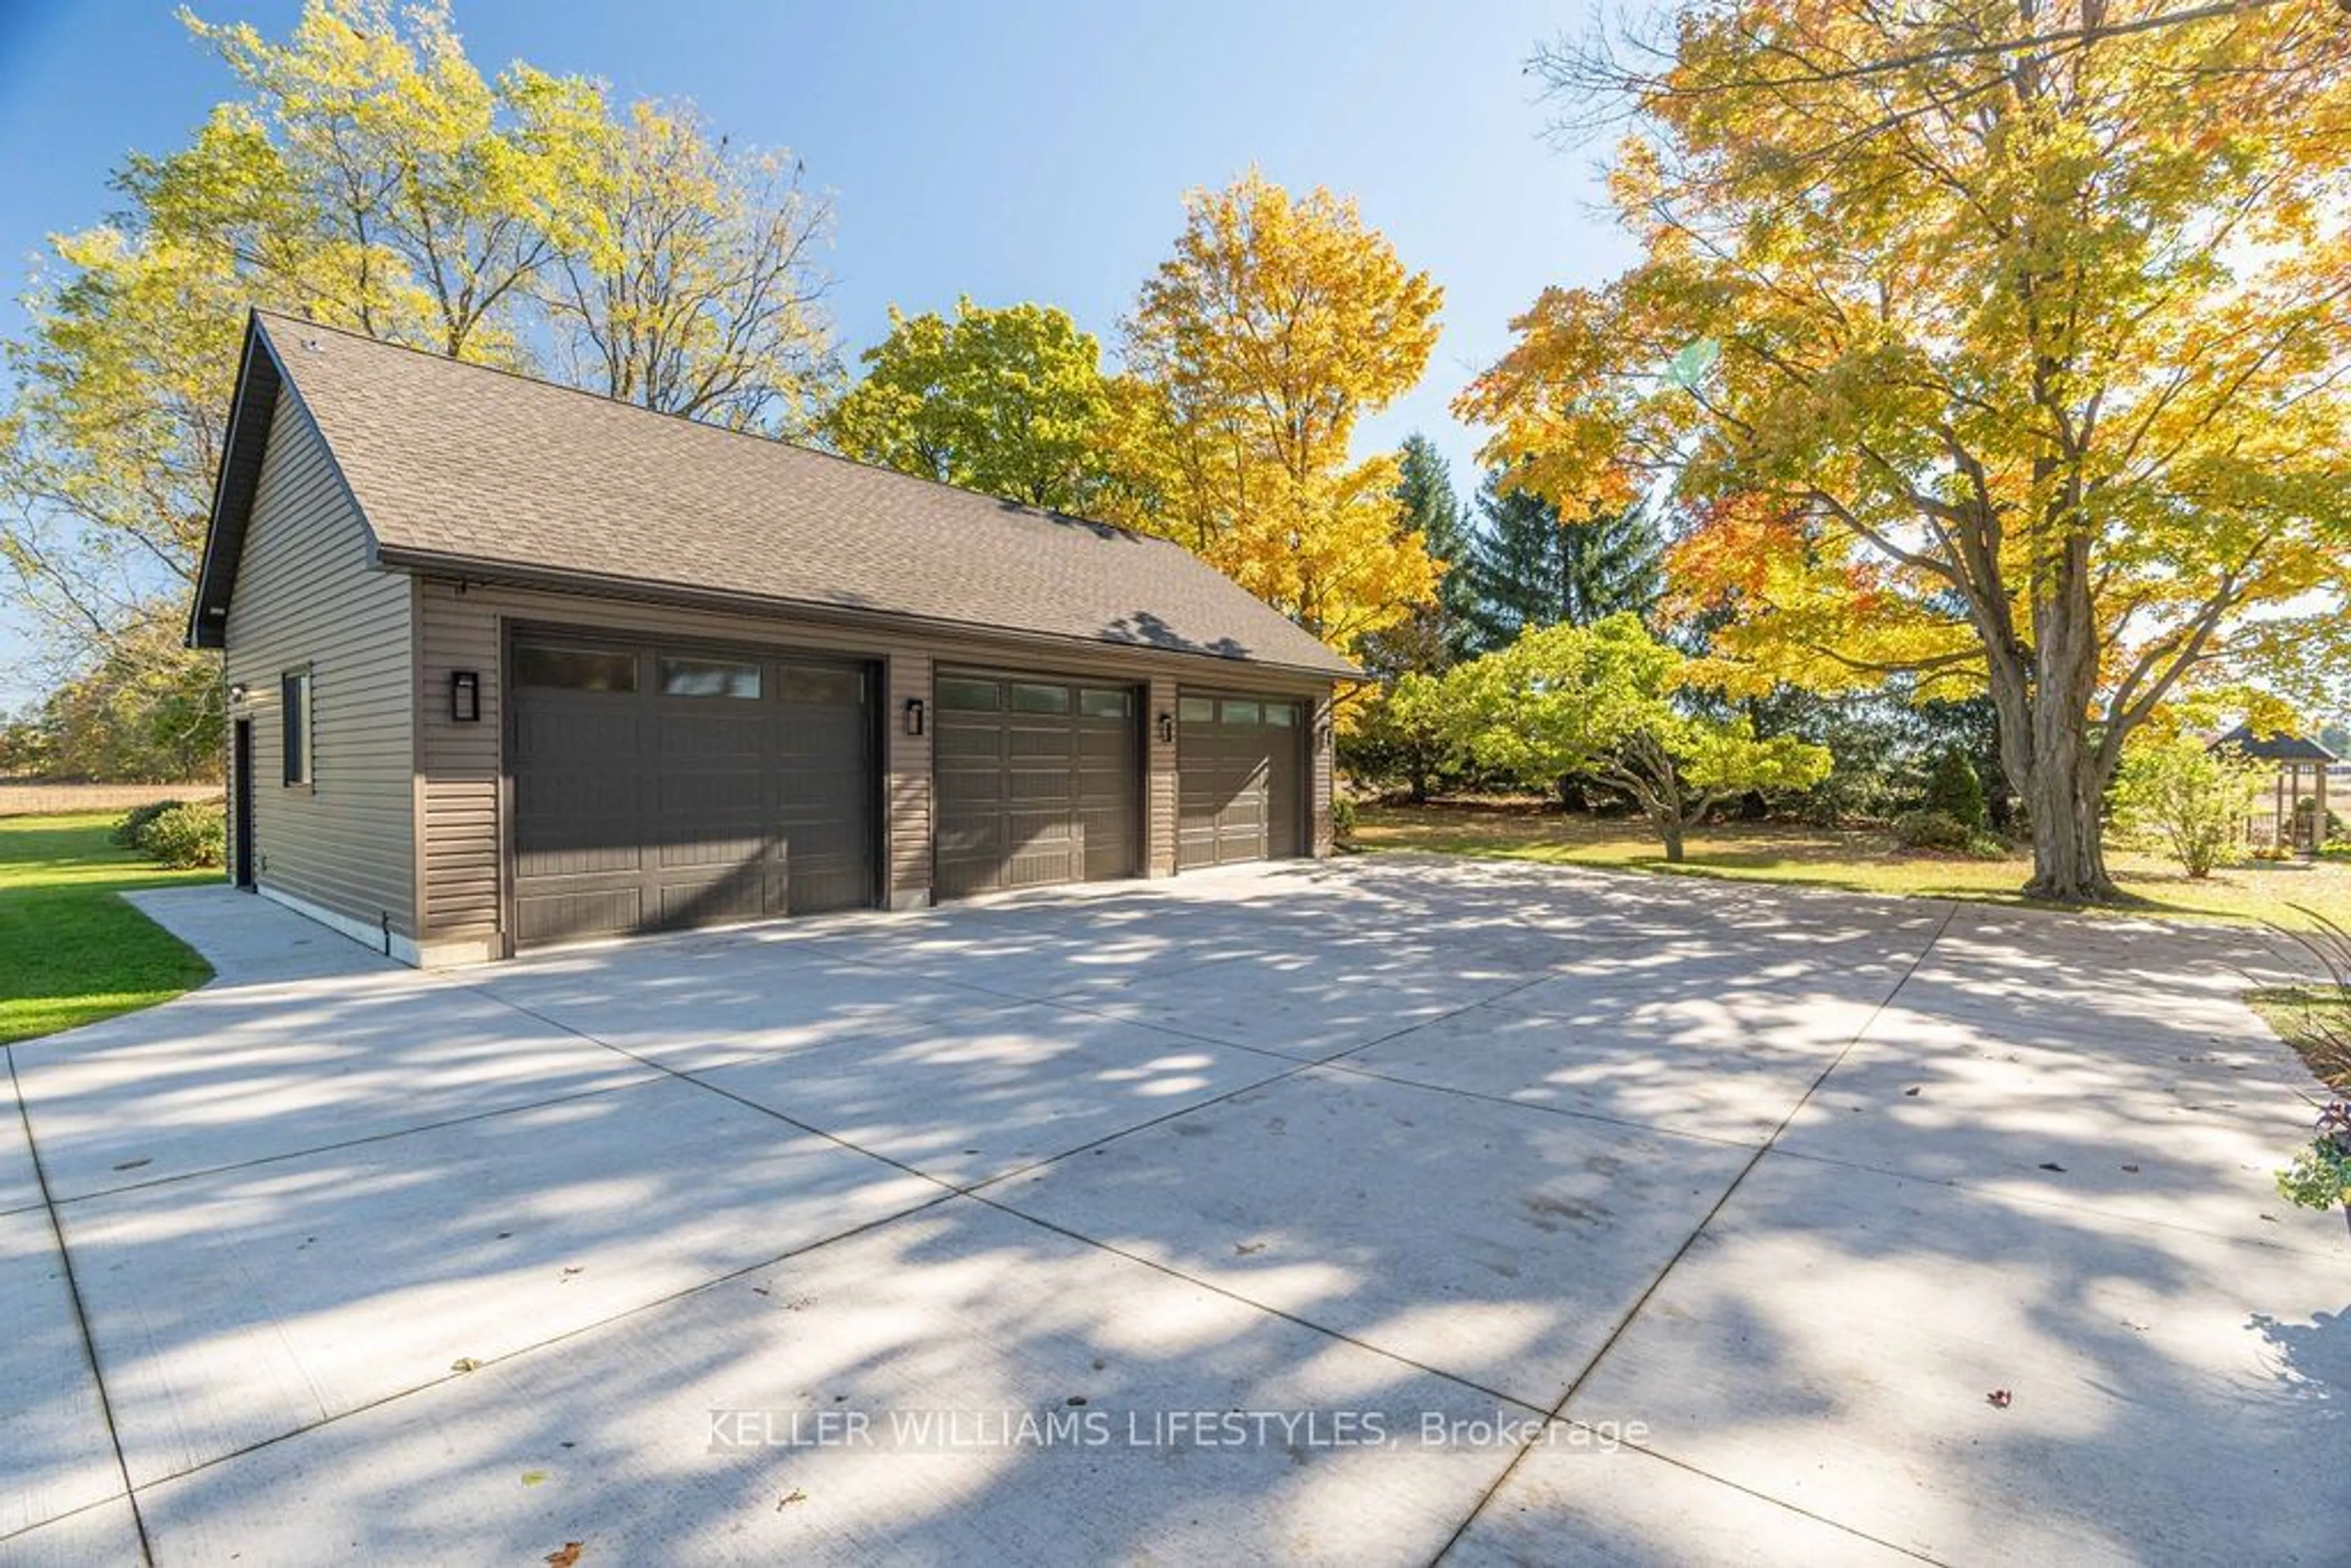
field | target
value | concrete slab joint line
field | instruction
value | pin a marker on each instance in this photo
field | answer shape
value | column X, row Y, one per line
column 1558, row 1410
column 1792, row 1179
column 81, row 1311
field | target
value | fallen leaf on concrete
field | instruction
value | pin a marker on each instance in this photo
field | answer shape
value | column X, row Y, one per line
column 2133, row 1169
column 134, row 1164
column 792, row 1497
column 2050, row 1165
column 566, row 1557
column 1910, row 1094
column 1244, row 1247
column 533, row 1478
column 1998, row 1398
column 2136, row 1327
column 465, row 1363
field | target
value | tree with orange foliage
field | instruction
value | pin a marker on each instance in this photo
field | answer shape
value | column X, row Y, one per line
column 1276, row 325
column 2000, row 348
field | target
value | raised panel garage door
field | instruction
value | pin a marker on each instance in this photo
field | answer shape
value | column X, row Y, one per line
column 657, row 787
column 1039, row 781
column 1240, row 793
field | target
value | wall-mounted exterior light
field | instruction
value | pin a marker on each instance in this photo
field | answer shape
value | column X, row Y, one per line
column 237, row 693
column 465, row 696
column 1166, row 729
column 913, row 711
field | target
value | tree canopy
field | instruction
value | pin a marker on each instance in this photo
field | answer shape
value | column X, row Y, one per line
column 1608, row 701
column 1274, row 327
column 1013, row 401
column 2006, row 367
column 370, row 176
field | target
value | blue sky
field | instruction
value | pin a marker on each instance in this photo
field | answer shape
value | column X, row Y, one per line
column 1031, row 151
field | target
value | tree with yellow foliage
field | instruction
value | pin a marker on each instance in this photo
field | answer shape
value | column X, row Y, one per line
column 371, row 177
column 1999, row 348
column 1275, row 326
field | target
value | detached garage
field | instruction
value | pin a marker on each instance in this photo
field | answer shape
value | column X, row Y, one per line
column 511, row 664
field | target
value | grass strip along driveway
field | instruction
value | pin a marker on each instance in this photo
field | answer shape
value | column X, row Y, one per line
column 1856, row 860
column 71, row 951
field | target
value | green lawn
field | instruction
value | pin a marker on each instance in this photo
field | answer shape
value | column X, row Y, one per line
column 1862, row 860
column 70, row 951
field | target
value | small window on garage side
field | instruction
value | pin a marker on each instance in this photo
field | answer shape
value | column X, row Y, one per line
column 684, row 677
column 825, row 684
column 969, row 696
column 1029, row 698
column 1282, row 716
column 1197, row 710
column 1241, row 711
column 1096, row 702
column 575, row 669
column 294, row 699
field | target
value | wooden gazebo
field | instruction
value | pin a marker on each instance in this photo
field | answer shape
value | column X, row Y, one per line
column 2291, row 818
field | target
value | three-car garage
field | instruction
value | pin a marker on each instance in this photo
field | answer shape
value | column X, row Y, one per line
column 507, row 667
column 660, row 783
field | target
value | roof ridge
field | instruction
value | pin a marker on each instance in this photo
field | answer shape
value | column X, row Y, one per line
column 1047, row 514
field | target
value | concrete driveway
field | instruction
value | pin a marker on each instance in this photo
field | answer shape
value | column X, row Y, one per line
column 1365, row 1212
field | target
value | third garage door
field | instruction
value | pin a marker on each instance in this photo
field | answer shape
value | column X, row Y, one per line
column 1039, row 781
column 1241, row 794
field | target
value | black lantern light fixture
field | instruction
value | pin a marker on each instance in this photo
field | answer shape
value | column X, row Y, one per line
column 465, row 696
column 913, row 716
column 1166, row 729
column 237, row 693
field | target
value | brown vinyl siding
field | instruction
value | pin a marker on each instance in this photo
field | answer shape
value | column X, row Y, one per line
column 906, row 822
column 1321, row 839
column 309, row 597
column 1160, row 779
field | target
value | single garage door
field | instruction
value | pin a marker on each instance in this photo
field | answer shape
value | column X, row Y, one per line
column 659, row 786
column 1039, row 780
column 1240, row 792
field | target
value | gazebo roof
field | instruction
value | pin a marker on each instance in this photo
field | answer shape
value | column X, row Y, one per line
column 2274, row 747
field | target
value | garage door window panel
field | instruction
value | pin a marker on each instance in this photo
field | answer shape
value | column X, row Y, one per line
column 682, row 677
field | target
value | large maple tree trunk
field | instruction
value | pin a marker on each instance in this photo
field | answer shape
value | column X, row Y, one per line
column 2069, row 857
column 2042, row 697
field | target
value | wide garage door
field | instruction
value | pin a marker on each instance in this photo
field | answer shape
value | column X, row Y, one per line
column 1240, row 794
column 659, row 786
column 1039, row 781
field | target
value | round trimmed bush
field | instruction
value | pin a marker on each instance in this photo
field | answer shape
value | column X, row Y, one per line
column 1931, row 830
column 195, row 835
column 130, row 832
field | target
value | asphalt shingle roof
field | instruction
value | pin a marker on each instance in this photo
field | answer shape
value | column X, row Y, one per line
column 455, row 463
column 2277, row 747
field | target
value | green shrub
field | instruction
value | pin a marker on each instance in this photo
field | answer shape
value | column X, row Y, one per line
column 2320, row 1176
column 195, row 835
column 1954, row 790
column 2194, row 798
column 1985, row 845
column 130, row 832
column 1342, row 818
column 1931, row 830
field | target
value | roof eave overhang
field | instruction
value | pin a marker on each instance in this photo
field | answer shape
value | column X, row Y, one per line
column 523, row 574
column 251, row 405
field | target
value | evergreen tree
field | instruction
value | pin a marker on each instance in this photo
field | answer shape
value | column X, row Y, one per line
column 1529, row 568
column 1438, row 632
